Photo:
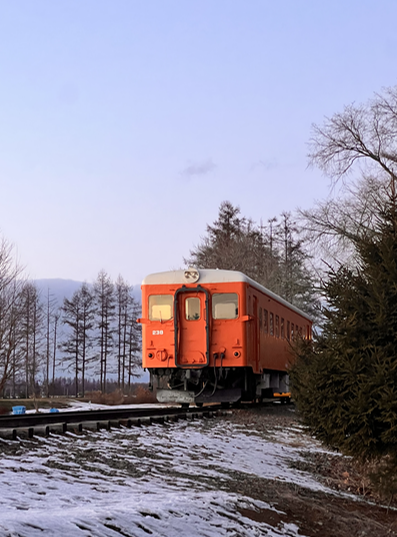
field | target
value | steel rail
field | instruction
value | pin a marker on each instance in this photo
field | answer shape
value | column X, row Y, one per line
column 23, row 421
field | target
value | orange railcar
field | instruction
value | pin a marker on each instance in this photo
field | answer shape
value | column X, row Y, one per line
column 216, row 336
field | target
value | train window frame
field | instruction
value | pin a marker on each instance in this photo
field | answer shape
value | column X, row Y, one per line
column 232, row 299
column 288, row 331
column 271, row 324
column 167, row 300
column 265, row 321
column 193, row 318
column 277, row 326
column 260, row 319
column 282, row 328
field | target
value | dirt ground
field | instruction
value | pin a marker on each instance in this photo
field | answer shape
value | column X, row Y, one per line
column 363, row 513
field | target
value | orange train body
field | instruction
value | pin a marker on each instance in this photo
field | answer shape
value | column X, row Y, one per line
column 216, row 336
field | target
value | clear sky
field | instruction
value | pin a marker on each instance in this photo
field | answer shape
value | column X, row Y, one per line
column 125, row 123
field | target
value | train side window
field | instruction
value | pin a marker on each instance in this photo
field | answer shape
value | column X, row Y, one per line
column 282, row 328
column 292, row 331
column 192, row 308
column 308, row 335
column 160, row 307
column 260, row 318
column 277, row 326
column 288, row 330
column 224, row 306
column 265, row 321
column 271, row 324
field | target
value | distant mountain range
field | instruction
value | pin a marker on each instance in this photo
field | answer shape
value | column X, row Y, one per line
column 60, row 289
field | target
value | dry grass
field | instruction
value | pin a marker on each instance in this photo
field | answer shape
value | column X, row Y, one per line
column 140, row 394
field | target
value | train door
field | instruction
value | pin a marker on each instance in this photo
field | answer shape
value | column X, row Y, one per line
column 255, row 314
column 191, row 327
column 253, row 331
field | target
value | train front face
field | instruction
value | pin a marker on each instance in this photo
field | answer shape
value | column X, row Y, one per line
column 193, row 336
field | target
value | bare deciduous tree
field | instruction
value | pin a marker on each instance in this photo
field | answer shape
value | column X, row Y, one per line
column 123, row 302
column 365, row 134
column 105, row 302
column 51, row 313
column 32, row 327
column 134, row 342
column 361, row 139
column 333, row 226
column 11, row 285
column 78, row 314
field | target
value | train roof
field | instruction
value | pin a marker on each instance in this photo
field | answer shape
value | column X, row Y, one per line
column 205, row 276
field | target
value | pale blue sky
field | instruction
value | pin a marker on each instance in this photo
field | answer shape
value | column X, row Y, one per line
column 124, row 123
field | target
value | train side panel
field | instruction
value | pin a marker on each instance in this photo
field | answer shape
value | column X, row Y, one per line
column 273, row 326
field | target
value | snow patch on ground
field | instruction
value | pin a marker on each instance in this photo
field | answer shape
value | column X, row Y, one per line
column 160, row 480
column 75, row 406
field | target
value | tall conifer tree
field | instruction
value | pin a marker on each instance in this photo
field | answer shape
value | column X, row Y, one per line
column 345, row 382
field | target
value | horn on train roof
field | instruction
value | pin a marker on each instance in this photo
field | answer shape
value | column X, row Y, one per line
column 191, row 275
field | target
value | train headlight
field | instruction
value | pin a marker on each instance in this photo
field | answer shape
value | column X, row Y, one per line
column 150, row 355
column 237, row 354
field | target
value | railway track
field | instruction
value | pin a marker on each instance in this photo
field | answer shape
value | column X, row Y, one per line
column 29, row 425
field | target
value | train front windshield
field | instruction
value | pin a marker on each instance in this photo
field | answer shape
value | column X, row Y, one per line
column 224, row 306
column 161, row 307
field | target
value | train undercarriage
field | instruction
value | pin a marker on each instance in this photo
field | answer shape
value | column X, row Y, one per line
column 216, row 385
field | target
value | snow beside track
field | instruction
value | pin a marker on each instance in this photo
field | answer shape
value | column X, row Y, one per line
column 162, row 480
